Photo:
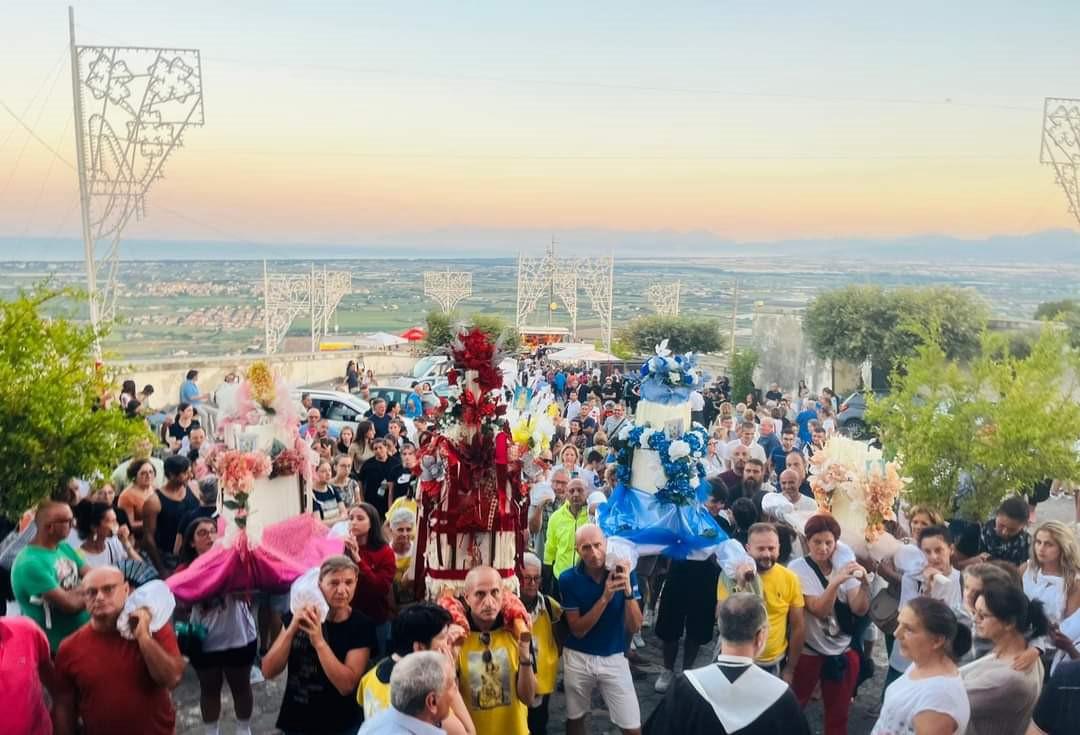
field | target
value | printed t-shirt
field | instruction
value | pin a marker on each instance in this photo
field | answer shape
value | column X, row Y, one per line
column 22, row 649
column 579, row 593
column 373, row 694
column 781, row 591
column 115, row 692
column 823, row 636
column 489, row 688
column 38, row 570
column 312, row 704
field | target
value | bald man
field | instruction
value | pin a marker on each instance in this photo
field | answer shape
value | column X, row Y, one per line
column 789, row 486
column 114, row 684
column 603, row 609
column 45, row 576
column 496, row 670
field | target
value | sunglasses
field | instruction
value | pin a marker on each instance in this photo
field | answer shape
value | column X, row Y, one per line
column 485, row 640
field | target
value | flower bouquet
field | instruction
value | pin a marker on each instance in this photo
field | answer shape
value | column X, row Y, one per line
column 238, row 472
column 667, row 378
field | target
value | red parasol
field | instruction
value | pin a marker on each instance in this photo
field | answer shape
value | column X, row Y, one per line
column 414, row 334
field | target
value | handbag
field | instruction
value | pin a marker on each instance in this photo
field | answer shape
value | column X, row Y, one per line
column 885, row 609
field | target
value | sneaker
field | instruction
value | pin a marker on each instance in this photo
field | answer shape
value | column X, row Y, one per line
column 664, row 681
column 638, row 640
column 256, row 676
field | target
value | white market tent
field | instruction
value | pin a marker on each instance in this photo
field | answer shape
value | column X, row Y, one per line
column 381, row 339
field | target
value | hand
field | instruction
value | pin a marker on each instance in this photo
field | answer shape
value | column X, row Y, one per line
column 615, row 583
column 852, row 570
column 788, row 674
column 1060, row 640
column 140, row 622
column 310, row 624
column 1026, row 660
column 352, row 549
column 745, row 572
column 525, row 647
column 124, row 534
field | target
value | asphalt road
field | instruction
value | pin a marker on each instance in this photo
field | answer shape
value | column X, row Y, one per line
column 863, row 714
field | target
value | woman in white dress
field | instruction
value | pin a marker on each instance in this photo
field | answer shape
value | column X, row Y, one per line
column 929, row 698
column 1052, row 576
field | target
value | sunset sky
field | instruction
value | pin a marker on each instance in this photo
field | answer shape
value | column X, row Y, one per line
column 343, row 122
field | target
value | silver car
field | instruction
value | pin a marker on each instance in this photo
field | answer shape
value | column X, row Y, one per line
column 338, row 408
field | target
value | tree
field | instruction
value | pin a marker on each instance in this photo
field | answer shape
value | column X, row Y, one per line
column 743, row 365
column 50, row 396
column 1066, row 312
column 1007, row 422
column 441, row 328
column 860, row 323
column 684, row 334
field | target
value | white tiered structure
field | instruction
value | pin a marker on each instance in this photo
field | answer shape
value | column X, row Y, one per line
column 646, row 472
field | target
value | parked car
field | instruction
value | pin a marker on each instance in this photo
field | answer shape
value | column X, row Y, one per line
column 339, row 408
column 851, row 419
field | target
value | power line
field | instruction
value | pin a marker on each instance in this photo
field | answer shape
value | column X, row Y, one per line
column 37, row 137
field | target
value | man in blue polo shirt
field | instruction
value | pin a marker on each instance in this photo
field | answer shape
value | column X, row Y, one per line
column 603, row 609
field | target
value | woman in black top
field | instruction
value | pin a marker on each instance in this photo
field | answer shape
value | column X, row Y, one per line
column 325, row 658
column 352, row 376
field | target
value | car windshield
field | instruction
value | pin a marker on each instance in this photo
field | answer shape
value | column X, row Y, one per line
column 423, row 365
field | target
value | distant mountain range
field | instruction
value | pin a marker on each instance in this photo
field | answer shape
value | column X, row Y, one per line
column 1047, row 247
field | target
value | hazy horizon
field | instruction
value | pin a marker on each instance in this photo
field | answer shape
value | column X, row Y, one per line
column 682, row 127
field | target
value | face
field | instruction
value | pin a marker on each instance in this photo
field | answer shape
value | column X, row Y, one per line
column 344, row 467
column 819, row 437
column 938, row 553
column 1007, row 527
column 559, row 484
column 765, row 550
column 59, row 522
column 338, row 587
column 188, row 413
column 106, row 592
column 408, row 457
column 592, row 548
column 104, row 494
column 575, row 427
column 618, row 412
column 530, row 583
column 109, row 524
column 767, row 428
column 395, row 430
column 746, row 435
column 401, row 536
column 313, row 416
column 569, row 457
column 796, row 463
column 323, row 428
column 972, row 589
column 916, row 643
column 382, row 452
column 713, row 506
column 196, row 438
column 359, row 523
column 739, row 457
column 789, row 483
column 821, row 545
column 380, row 408
column 205, row 535
column 752, row 473
column 986, row 625
column 484, row 597
column 146, row 476
column 577, row 495
column 323, row 474
column 787, row 441
column 919, row 522
column 1047, row 550
column 346, row 436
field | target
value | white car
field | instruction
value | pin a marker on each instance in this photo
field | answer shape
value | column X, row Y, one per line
column 338, row 408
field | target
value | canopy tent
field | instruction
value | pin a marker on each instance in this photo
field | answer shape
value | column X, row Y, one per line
column 382, row 339
column 583, row 355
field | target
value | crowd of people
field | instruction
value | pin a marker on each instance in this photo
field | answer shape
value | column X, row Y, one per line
column 984, row 637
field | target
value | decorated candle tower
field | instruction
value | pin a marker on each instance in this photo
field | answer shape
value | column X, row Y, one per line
column 473, row 504
column 658, row 501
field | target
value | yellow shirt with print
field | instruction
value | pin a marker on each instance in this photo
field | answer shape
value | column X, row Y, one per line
column 547, row 649
column 781, row 590
column 373, row 694
column 489, row 688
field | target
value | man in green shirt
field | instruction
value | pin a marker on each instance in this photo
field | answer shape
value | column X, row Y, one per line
column 560, row 552
column 46, row 576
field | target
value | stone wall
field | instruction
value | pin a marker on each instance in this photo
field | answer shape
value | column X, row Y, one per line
column 166, row 375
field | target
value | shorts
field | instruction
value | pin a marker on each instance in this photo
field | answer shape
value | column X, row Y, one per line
column 688, row 602
column 230, row 658
column 583, row 672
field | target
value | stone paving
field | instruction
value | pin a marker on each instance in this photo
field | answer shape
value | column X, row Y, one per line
column 863, row 713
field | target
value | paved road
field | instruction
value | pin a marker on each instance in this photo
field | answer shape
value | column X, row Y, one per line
column 864, row 711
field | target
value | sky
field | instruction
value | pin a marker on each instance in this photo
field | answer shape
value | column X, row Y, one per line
column 434, row 122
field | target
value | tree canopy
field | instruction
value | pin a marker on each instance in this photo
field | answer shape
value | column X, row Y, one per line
column 743, row 365
column 684, row 334
column 1067, row 312
column 441, row 328
column 860, row 323
column 50, row 396
column 1006, row 422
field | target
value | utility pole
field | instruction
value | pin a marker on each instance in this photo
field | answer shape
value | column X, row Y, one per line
column 734, row 317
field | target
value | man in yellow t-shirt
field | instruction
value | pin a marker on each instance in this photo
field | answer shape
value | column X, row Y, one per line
column 782, row 593
column 545, row 614
column 495, row 669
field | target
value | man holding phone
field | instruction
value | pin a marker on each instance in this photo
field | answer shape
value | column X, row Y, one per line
column 602, row 609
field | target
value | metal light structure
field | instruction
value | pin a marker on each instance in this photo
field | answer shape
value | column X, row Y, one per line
column 447, row 287
column 1061, row 146
column 288, row 295
column 132, row 105
column 664, row 298
column 564, row 278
